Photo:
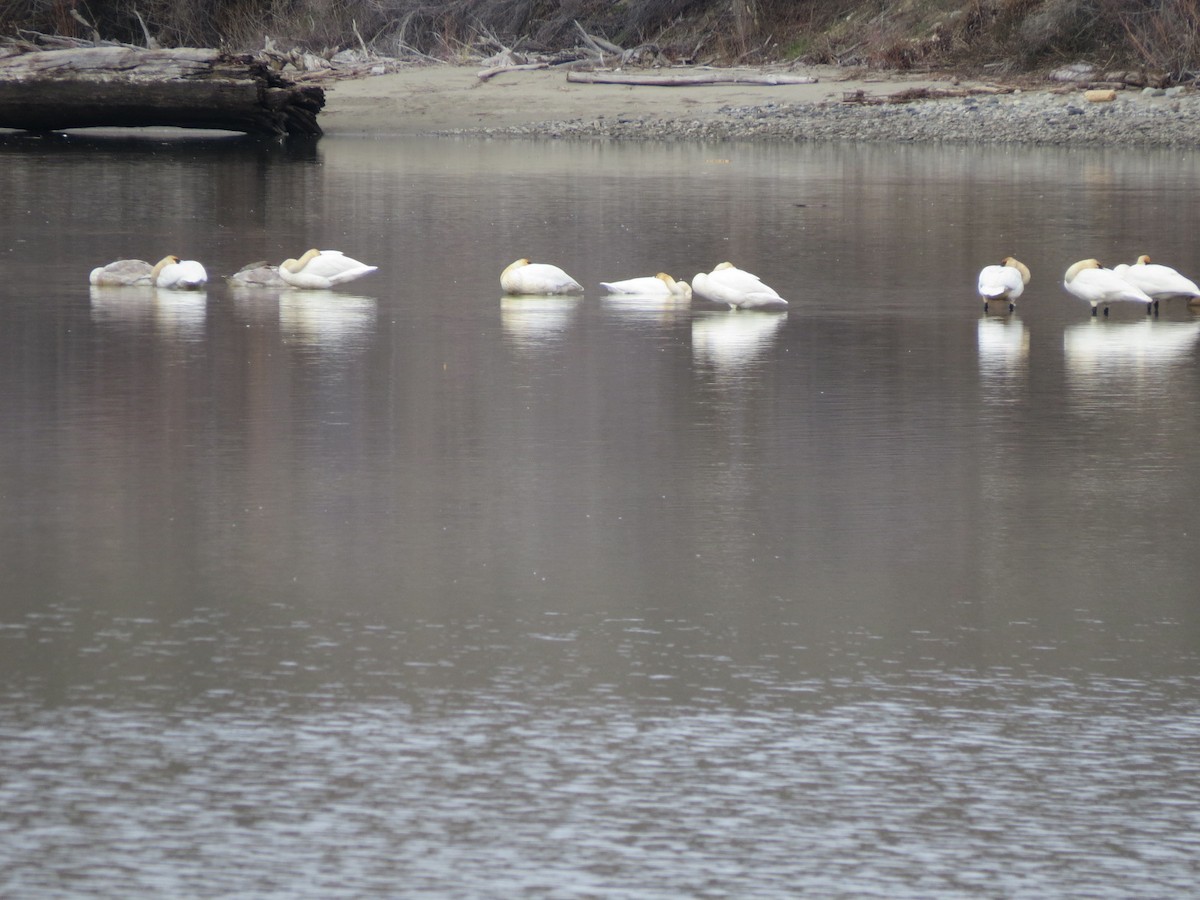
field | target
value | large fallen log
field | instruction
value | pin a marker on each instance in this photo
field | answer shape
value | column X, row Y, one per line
column 686, row 80
column 129, row 87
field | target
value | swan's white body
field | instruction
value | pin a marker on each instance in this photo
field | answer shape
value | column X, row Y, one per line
column 740, row 289
column 258, row 274
column 179, row 274
column 319, row 270
column 660, row 285
column 1003, row 282
column 1160, row 282
column 537, row 279
column 122, row 273
column 1089, row 281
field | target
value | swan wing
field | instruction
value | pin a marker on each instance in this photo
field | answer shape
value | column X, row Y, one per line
column 648, row 285
column 542, row 278
column 336, row 266
column 122, row 272
column 741, row 281
column 1104, row 286
column 182, row 275
column 1157, row 280
column 996, row 282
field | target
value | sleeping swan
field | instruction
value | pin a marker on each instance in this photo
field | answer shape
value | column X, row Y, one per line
column 122, row 273
column 1003, row 282
column 259, row 275
column 741, row 290
column 1160, row 282
column 178, row 274
column 524, row 277
column 322, row 269
column 660, row 285
column 1088, row 281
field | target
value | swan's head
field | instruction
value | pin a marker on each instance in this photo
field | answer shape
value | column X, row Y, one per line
column 511, row 267
column 295, row 265
column 671, row 283
column 1080, row 266
column 678, row 288
column 1013, row 262
column 171, row 260
column 724, row 265
column 1143, row 259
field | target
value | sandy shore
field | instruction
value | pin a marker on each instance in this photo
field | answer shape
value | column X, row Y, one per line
column 452, row 98
column 440, row 99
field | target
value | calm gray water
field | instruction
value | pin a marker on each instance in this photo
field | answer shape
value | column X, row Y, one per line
column 411, row 590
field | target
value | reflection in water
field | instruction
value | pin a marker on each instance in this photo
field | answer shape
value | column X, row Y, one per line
column 849, row 584
column 1003, row 345
column 530, row 322
column 1142, row 349
column 652, row 310
column 327, row 319
column 734, row 339
column 172, row 314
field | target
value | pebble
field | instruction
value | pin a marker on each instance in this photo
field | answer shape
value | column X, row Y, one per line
column 1134, row 118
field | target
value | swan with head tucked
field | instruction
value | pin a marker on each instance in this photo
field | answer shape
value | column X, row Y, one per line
column 736, row 287
column 257, row 275
column 322, row 269
column 178, row 274
column 1160, row 282
column 122, row 273
column 1003, row 282
column 537, row 279
column 1090, row 281
column 660, row 285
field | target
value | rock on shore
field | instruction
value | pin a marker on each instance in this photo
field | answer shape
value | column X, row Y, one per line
column 1146, row 118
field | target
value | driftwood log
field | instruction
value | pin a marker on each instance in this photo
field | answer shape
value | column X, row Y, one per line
column 686, row 80
column 126, row 86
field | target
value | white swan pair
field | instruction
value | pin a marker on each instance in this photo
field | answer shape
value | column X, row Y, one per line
column 1090, row 281
column 1004, row 282
column 1142, row 282
column 170, row 272
column 316, row 270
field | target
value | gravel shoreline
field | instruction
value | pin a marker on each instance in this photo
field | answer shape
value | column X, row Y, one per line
column 1136, row 118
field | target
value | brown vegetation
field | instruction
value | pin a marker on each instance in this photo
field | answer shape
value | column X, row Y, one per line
column 1003, row 35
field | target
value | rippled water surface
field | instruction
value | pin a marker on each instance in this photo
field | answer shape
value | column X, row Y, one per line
column 408, row 589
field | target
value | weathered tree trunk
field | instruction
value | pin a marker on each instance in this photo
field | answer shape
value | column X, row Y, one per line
column 657, row 80
column 126, row 86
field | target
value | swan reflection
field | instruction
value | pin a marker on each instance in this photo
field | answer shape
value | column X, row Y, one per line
column 1096, row 347
column 326, row 319
column 1003, row 345
column 177, row 314
column 662, row 309
column 734, row 338
column 532, row 321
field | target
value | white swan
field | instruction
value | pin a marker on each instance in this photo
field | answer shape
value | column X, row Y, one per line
column 122, row 273
column 257, row 274
column 1160, row 282
column 660, row 285
column 178, row 274
column 1089, row 281
column 322, row 269
column 1003, row 282
column 537, row 279
column 740, row 289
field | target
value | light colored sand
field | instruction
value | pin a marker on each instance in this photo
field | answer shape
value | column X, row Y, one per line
column 439, row 98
